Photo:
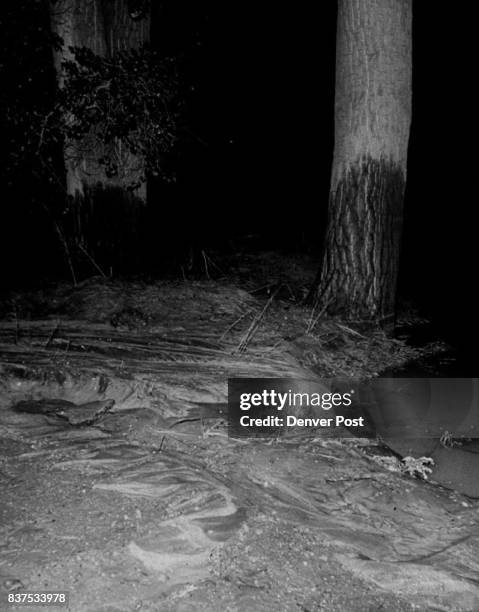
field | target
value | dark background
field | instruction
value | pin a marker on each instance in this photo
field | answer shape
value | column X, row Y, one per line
column 257, row 142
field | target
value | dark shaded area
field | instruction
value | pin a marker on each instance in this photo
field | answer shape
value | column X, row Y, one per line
column 258, row 138
column 29, row 247
column 256, row 144
column 251, row 137
column 439, row 258
column 111, row 218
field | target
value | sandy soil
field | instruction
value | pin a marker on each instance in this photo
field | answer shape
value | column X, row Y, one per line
column 132, row 496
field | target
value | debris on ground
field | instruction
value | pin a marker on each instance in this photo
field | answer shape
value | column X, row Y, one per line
column 121, row 485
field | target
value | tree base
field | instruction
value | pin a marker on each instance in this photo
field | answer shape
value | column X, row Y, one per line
column 361, row 252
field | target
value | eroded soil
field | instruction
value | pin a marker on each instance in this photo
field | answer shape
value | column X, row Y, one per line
column 146, row 504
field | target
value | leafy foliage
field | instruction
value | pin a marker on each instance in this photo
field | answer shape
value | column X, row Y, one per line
column 111, row 111
column 117, row 109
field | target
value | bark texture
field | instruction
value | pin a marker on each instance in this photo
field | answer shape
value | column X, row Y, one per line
column 361, row 257
column 372, row 122
column 105, row 27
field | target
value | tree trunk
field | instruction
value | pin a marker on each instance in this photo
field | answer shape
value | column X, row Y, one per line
column 372, row 119
column 105, row 212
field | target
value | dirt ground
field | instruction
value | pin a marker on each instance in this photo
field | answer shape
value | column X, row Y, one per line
column 120, row 485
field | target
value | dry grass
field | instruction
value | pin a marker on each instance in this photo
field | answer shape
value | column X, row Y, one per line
column 256, row 316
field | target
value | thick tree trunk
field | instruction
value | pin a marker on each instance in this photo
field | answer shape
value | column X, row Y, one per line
column 105, row 27
column 372, row 120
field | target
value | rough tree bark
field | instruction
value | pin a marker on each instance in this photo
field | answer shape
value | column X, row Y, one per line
column 359, row 270
column 105, row 27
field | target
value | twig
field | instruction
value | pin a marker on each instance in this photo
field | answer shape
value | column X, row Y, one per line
column 206, row 265
column 230, row 327
column 42, row 131
column 291, row 293
column 255, row 324
column 312, row 323
column 267, row 286
column 52, row 335
column 214, row 264
column 67, row 250
column 348, row 329
column 90, row 258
